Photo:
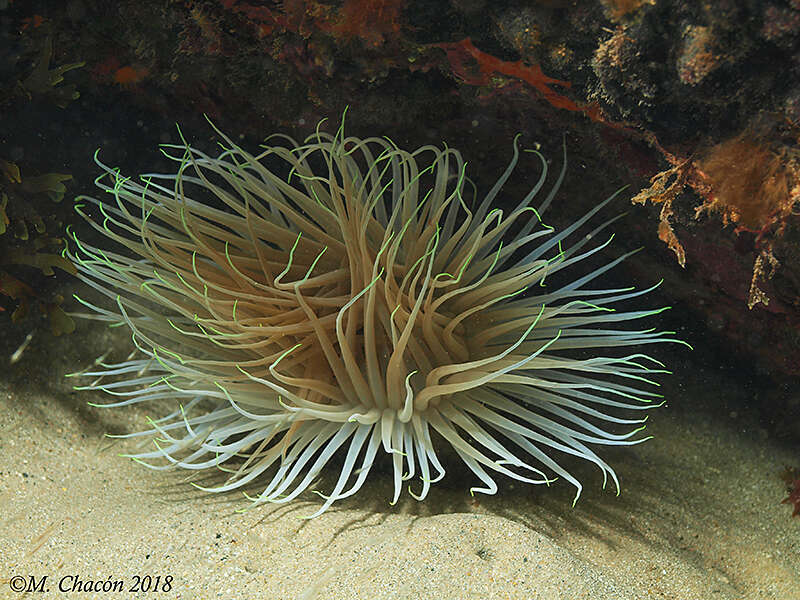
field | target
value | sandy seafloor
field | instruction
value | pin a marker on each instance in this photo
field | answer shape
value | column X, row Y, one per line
column 699, row 516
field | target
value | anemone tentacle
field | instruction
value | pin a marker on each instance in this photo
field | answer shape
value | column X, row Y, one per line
column 342, row 296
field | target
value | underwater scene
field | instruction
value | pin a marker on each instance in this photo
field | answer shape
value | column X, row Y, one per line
column 446, row 299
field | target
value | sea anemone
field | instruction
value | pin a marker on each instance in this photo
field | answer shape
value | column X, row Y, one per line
column 342, row 296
